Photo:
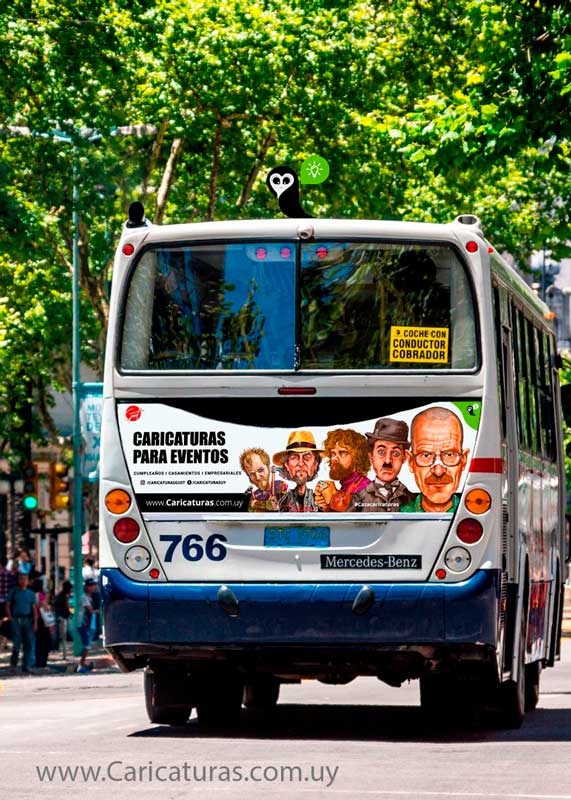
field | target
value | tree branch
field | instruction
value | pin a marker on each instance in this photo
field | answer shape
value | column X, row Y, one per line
column 45, row 415
column 168, row 179
column 268, row 142
column 59, row 252
column 155, row 152
column 214, row 172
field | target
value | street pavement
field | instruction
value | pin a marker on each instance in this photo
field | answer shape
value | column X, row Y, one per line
column 99, row 660
column 361, row 740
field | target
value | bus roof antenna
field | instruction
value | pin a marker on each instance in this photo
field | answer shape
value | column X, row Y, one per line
column 136, row 216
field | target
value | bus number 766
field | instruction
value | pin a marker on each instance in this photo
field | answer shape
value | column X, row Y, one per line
column 192, row 547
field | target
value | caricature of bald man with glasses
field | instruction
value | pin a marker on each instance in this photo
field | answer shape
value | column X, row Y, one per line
column 437, row 460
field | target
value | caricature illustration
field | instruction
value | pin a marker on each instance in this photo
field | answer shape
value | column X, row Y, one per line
column 284, row 184
column 436, row 459
column 388, row 444
column 255, row 462
column 346, row 451
column 299, row 463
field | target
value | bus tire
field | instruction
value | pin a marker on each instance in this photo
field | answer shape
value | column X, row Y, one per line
column 220, row 700
column 262, row 692
column 532, row 678
column 555, row 641
column 165, row 698
column 512, row 694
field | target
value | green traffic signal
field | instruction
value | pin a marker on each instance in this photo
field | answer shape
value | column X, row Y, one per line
column 30, row 489
column 30, row 502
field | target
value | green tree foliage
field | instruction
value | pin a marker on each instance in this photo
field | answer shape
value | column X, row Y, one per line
column 424, row 110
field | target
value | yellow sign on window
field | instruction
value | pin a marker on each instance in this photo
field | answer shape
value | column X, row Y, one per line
column 424, row 345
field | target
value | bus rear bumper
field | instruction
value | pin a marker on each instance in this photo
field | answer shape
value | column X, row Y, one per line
column 149, row 620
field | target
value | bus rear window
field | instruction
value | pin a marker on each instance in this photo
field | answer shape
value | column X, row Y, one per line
column 385, row 306
column 286, row 306
column 212, row 307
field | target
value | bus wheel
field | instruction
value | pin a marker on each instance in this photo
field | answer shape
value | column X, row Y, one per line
column 166, row 698
column 262, row 693
column 219, row 700
column 532, row 676
column 512, row 698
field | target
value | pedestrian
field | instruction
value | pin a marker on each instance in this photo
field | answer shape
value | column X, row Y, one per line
column 89, row 570
column 36, row 584
column 62, row 613
column 12, row 567
column 22, row 612
column 85, row 616
column 4, row 588
column 24, row 561
column 45, row 630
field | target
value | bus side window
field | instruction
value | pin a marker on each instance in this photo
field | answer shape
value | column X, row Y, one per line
column 522, row 373
column 540, row 375
column 501, row 359
column 548, row 400
column 532, row 389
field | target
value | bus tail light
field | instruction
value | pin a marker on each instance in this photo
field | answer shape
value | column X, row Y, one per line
column 118, row 501
column 478, row 501
column 469, row 531
column 126, row 530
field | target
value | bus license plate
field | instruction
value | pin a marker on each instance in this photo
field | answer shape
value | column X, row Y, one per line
column 296, row 537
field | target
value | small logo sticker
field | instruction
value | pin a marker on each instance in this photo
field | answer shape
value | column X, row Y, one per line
column 133, row 413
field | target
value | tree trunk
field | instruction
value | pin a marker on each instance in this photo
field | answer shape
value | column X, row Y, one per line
column 155, row 152
column 214, row 173
column 168, row 179
column 253, row 174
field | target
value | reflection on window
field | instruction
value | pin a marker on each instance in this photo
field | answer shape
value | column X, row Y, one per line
column 353, row 293
column 215, row 307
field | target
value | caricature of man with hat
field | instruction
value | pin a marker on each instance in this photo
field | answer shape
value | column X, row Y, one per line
column 388, row 444
column 299, row 463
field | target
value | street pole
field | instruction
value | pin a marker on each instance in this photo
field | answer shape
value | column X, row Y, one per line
column 12, row 516
column 77, row 510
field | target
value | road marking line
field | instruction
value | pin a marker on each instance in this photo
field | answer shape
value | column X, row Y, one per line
column 420, row 793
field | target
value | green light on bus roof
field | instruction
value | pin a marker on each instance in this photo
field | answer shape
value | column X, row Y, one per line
column 30, row 502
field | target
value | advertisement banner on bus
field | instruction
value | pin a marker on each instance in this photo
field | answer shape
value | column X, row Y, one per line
column 413, row 461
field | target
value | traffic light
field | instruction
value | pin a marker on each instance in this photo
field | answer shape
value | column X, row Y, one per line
column 59, row 486
column 30, row 498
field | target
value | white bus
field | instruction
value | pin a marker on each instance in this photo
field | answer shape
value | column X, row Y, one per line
column 331, row 448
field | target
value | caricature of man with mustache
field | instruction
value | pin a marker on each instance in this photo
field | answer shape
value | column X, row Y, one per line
column 436, row 459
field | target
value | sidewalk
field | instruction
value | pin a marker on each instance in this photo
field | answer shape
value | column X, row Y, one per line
column 98, row 657
column 566, row 624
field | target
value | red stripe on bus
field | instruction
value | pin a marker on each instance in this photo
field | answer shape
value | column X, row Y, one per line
column 486, row 465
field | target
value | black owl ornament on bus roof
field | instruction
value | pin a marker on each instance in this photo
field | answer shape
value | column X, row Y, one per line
column 284, row 184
